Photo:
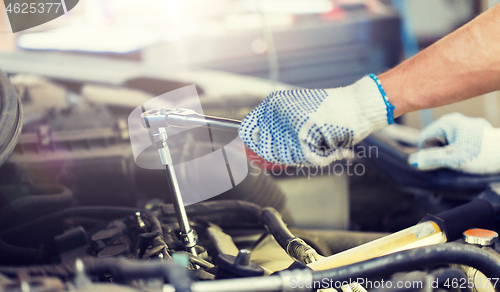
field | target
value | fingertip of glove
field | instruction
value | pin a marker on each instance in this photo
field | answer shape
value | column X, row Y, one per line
column 430, row 158
column 420, row 165
column 413, row 160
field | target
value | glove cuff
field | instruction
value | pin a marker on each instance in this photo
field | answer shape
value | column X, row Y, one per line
column 375, row 108
column 390, row 108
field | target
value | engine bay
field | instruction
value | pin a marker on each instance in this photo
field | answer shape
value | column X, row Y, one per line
column 77, row 213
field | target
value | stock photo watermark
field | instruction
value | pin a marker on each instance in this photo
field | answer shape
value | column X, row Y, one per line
column 345, row 165
column 25, row 14
column 433, row 283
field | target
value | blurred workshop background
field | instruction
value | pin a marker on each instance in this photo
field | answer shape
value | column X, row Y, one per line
column 312, row 44
column 275, row 43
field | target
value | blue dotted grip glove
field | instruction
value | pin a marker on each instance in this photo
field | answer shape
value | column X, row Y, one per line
column 473, row 146
column 310, row 126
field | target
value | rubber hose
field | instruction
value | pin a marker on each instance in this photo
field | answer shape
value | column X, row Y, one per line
column 478, row 213
column 11, row 116
column 414, row 259
column 124, row 270
column 45, row 199
column 293, row 246
column 276, row 226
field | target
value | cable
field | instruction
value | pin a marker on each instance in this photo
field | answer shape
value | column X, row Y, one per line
column 294, row 246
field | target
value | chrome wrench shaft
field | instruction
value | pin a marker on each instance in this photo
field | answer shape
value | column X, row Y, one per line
column 157, row 121
column 187, row 234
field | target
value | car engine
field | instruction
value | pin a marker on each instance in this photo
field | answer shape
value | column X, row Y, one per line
column 77, row 213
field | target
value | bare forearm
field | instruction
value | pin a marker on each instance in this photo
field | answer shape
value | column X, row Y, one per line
column 462, row 65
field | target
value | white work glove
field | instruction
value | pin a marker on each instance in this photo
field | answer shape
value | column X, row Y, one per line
column 310, row 126
column 473, row 145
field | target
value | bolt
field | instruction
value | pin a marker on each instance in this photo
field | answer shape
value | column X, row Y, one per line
column 243, row 258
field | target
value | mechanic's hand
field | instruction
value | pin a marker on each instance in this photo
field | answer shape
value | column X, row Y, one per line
column 473, row 145
column 310, row 126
